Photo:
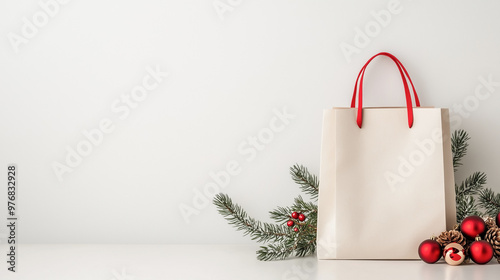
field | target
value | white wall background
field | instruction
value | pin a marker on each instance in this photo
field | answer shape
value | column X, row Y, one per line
column 227, row 73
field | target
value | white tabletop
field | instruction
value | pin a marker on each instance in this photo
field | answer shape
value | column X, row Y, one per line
column 145, row 262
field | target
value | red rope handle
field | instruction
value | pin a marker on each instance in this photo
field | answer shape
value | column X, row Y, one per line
column 404, row 76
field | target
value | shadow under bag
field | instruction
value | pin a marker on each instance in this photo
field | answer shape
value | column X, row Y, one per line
column 386, row 177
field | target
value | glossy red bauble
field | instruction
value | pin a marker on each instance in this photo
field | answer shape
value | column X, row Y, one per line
column 429, row 251
column 481, row 252
column 472, row 227
column 498, row 219
column 302, row 217
column 295, row 215
column 290, row 223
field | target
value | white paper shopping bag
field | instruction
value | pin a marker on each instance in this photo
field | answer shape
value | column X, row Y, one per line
column 386, row 178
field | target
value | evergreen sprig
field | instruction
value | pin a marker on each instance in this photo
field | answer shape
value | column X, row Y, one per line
column 466, row 206
column 236, row 216
column 473, row 186
column 283, row 214
column 282, row 240
column 459, row 146
column 278, row 251
column 308, row 183
column 490, row 202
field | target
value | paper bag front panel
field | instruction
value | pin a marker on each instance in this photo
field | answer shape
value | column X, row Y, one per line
column 382, row 186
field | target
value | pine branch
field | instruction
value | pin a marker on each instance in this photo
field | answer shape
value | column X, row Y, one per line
column 459, row 146
column 308, row 183
column 277, row 251
column 466, row 206
column 259, row 231
column 298, row 239
column 308, row 208
column 472, row 185
column 282, row 214
column 305, row 247
column 304, row 244
column 490, row 202
column 304, row 206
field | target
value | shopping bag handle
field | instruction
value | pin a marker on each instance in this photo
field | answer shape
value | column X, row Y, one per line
column 404, row 76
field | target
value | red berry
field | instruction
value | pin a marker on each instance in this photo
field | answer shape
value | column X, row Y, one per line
column 290, row 223
column 295, row 215
column 302, row 217
column 296, row 229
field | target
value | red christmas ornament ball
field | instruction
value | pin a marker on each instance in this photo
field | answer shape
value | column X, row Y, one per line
column 290, row 223
column 295, row 215
column 296, row 229
column 473, row 226
column 302, row 217
column 429, row 251
column 481, row 252
column 498, row 219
